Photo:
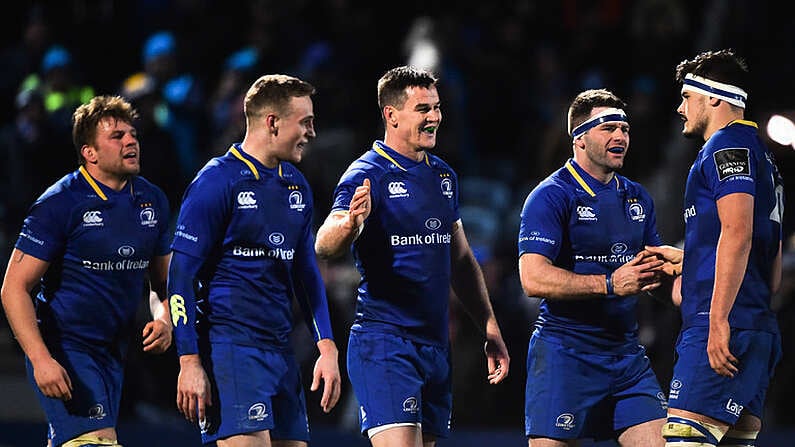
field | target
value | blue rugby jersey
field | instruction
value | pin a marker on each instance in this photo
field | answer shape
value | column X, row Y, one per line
column 403, row 253
column 252, row 228
column 733, row 160
column 99, row 243
column 587, row 227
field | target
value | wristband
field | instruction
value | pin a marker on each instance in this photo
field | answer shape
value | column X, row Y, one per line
column 609, row 284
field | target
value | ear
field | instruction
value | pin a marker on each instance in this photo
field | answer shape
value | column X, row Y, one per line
column 89, row 153
column 713, row 101
column 579, row 143
column 272, row 123
column 390, row 116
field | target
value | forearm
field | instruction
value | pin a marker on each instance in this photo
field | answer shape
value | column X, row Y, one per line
column 21, row 315
column 731, row 260
column 182, row 302
column 470, row 288
column 542, row 279
column 335, row 236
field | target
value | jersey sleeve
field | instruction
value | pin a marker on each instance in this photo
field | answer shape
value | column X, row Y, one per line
column 350, row 180
column 44, row 233
column 202, row 217
column 543, row 218
column 182, row 273
column 730, row 170
column 164, row 236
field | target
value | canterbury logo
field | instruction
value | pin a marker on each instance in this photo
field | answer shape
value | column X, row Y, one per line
column 246, row 198
column 397, row 188
column 92, row 217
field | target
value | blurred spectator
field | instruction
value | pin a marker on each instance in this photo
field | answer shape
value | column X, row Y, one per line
column 226, row 122
column 183, row 115
column 60, row 87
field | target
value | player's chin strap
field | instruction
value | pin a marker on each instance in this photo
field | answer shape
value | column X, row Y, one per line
column 91, row 441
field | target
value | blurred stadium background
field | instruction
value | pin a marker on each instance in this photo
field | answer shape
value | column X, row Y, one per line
column 508, row 70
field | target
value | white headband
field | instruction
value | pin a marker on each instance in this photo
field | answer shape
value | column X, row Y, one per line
column 727, row 92
column 604, row 116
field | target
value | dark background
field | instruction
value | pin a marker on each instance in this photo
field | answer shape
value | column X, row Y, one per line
column 508, row 71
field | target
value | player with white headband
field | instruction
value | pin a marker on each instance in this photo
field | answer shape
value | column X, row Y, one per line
column 729, row 343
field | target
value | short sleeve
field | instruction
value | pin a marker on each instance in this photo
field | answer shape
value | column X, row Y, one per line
column 202, row 216
column 544, row 215
column 44, row 232
column 730, row 170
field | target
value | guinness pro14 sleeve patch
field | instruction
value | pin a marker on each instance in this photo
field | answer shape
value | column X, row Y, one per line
column 732, row 161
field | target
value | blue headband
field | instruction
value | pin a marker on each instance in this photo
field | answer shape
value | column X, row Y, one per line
column 606, row 115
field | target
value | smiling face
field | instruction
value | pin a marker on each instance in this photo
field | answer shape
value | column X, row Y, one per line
column 296, row 128
column 115, row 152
column 412, row 128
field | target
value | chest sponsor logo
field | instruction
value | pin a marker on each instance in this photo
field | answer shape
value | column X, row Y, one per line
column 285, row 254
column 125, row 251
column 618, row 255
column 276, row 238
column 447, row 188
column 585, row 213
column 636, row 212
column 732, row 161
column 246, row 200
column 93, row 218
column 397, row 190
column 690, row 212
column 433, row 223
column 296, row 200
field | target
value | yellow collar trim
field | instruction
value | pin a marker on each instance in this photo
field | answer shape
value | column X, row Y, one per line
column 746, row 122
column 248, row 163
column 581, row 180
column 92, row 183
column 383, row 153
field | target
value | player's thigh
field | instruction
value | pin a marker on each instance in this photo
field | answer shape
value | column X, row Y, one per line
column 254, row 439
column 548, row 442
column 403, row 436
column 646, row 434
column 383, row 370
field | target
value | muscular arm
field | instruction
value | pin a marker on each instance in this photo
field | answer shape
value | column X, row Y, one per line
column 539, row 277
column 735, row 212
column 470, row 287
column 23, row 273
column 341, row 228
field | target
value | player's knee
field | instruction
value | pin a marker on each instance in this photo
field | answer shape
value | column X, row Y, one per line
column 685, row 432
column 91, row 441
column 739, row 438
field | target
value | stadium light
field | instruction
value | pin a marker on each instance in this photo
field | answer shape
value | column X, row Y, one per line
column 781, row 130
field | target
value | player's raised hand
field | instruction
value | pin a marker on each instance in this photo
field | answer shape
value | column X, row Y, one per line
column 361, row 204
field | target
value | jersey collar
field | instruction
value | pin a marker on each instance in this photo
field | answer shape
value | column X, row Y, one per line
column 95, row 185
column 583, row 178
column 250, row 161
column 390, row 154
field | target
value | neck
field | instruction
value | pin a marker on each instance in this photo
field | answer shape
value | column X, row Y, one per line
column 112, row 181
column 258, row 148
column 602, row 174
column 403, row 148
column 721, row 118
